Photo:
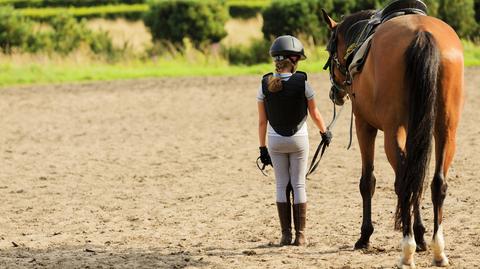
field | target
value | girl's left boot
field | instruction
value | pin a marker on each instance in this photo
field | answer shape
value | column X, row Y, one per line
column 299, row 220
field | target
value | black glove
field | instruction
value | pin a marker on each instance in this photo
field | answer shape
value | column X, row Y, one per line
column 327, row 137
column 264, row 156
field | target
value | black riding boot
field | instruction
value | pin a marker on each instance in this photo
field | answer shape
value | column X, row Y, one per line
column 285, row 215
column 299, row 220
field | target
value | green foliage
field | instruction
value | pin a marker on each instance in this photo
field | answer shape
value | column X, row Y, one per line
column 459, row 14
column 368, row 4
column 462, row 15
column 477, row 10
column 14, row 29
column 244, row 12
column 39, row 42
column 132, row 12
column 65, row 3
column 299, row 18
column 201, row 21
column 432, row 6
column 343, row 7
column 68, row 34
column 256, row 52
column 246, row 9
column 101, row 43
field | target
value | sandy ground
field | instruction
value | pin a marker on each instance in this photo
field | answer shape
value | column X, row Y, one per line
column 160, row 173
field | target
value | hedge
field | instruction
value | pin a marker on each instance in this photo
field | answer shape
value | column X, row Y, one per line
column 65, row 35
column 133, row 12
column 65, row 3
column 246, row 9
column 299, row 18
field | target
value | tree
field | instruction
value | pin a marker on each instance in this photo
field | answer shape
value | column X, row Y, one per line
column 203, row 22
column 459, row 14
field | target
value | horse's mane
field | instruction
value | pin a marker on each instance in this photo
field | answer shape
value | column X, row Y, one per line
column 349, row 20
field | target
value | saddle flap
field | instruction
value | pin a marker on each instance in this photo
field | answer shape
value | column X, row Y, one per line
column 355, row 31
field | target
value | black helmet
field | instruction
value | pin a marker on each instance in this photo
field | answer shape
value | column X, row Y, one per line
column 287, row 45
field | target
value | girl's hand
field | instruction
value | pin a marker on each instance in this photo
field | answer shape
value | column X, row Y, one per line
column 327, row 137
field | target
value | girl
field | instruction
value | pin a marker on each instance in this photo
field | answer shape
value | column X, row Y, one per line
column 283, row 101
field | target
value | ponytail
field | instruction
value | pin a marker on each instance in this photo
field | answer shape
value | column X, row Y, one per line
column 275, row 83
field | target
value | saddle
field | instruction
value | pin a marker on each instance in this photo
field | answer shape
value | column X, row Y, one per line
column 359, row 35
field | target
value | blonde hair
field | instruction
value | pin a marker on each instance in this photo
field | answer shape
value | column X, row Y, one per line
column 275, row 83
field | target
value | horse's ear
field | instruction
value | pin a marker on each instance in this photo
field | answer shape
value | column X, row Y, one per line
column 330, row 22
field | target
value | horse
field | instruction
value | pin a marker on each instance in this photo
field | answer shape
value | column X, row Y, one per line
column 411, row 87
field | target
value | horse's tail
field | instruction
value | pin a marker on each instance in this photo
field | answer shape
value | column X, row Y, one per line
column 422, row 60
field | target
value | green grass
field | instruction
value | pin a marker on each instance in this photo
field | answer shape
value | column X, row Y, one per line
column 471, row 54
column 13, row 73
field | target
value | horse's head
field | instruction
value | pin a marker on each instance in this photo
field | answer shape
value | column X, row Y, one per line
column 337, row 49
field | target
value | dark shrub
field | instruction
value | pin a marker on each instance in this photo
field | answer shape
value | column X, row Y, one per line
column 368, row 4
column 14, row 29
column 39, row 42
column 477, row 11
column 298, row 18
column 201, row 21
column 101, row 43
column 459, row 14
column 68, row 33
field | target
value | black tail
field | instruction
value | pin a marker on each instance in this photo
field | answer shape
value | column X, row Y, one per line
column 422, row 59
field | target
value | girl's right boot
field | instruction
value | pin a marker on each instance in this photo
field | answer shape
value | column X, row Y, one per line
column 285, row 215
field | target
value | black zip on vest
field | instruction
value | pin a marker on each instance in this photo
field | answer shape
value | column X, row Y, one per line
column 287, row 108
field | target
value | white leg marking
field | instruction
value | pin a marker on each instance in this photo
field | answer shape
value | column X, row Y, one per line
column 408, row 249
column 438, row 247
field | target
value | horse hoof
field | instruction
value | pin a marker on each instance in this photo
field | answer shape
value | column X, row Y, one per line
column 401, row 265
column 362, row 244
column 441, row 263
column 421, row 247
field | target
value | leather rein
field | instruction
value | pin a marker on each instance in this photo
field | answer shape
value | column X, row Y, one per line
column 333, row 62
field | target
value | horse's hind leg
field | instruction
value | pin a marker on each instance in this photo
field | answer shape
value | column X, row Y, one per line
column 444, row 151
column 419, row 230
column 366, row 138
column 394, row 139
column 449, row 105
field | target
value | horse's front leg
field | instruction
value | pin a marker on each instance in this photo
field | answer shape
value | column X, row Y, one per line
column 366, row 139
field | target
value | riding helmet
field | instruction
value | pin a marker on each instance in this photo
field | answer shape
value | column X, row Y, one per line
column 287, row 45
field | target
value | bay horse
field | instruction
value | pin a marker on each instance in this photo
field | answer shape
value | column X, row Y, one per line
column 411, row 87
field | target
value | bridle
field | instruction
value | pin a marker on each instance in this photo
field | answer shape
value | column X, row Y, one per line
column 334, row 62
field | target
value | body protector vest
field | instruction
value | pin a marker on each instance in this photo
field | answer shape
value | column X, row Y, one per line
column 286, row 109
